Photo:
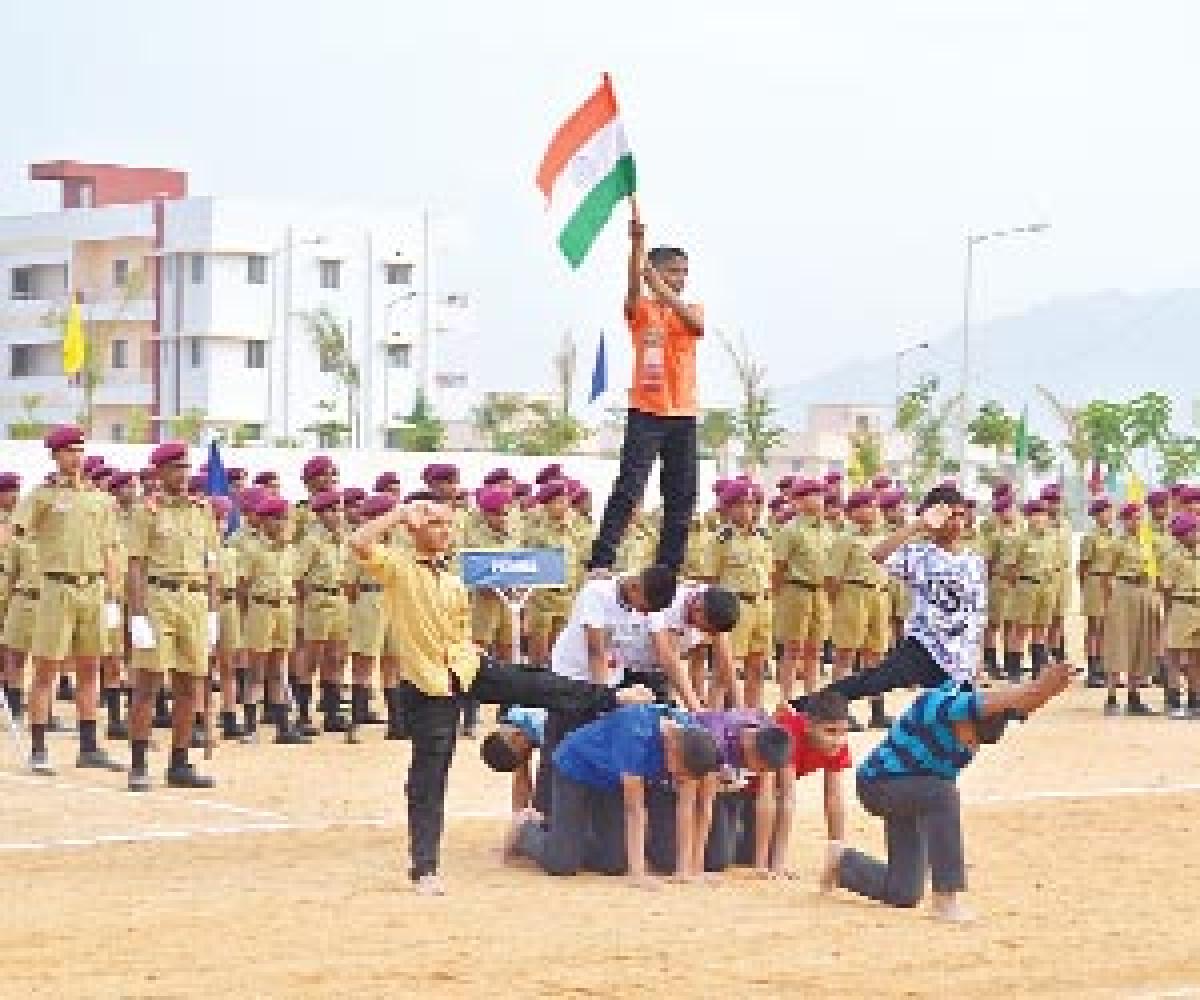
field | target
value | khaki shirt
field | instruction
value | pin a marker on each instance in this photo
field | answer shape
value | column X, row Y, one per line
column 1003, row 547
column 740, row 560
column 1181, row 572
column 73, row 529
column 802, row 546
column 176, row 539
column 1124, row 557
column 270, row 567
column 695, row 558
column 227, row 569
column 429, row 617
column 303, row 520
column 1036, row 556
column 1093, row 550
column 547, row 533
column 22, row 563
column 321, row 558
column 849, row 559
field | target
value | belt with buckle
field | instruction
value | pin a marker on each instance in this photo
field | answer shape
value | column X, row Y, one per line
column 804, row 584
column 863, row 584
column 1030, row 579
column 32, row 595
column 331, row 591
column 1138, row 580
column 229, row 594
column 1186, row 598
column 749, row 598
column 272, row 602
column 75, row 579
column 166, row 583
column 370, row 588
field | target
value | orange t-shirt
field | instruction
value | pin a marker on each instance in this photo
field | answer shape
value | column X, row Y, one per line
column 674, row 394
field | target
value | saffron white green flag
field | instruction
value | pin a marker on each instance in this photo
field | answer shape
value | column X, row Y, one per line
column 586, row 171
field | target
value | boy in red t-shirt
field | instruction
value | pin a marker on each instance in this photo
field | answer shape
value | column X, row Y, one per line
column 661, row 423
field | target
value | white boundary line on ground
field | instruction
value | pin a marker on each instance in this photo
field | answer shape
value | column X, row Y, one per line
column 278, row 824
column 71, row 786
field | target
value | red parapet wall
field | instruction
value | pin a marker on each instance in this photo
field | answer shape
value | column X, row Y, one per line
column 93, row 185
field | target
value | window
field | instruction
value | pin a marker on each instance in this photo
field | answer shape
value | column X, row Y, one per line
column 256, row 354
column 117, row 432
column 451, row 380
column 197, row 269
column 399, row 274
column 21, row 360
column 394, row 438
column 120, row 273
column 399, row 355
column 256, row 269
column 21, row 283
column 120, row 355
column 170, row 276
column 331, row 274
column 197, row 352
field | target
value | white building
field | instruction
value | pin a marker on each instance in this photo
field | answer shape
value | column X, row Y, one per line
column 204, row 306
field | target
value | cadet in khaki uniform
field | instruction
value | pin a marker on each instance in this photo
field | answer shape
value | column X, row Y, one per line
column 491, row 621
column 695, row 566
column 740, row 561
column 267, row 584
column 72, row 527
column 1129, row 623
column 549, row 607
column 1032, row 573
column 1181, row 587
column 895, row 516
column 857, row 587
column 1060, row 524
column 442, row 480
column 370, row 641
column 584, row 530
column 802, row 618
column 321, row 568
column 226, row 654
column 1001, row 542
column 113, row 664
column 18, row 580
column 1158, row 502
column 173, row 617
column 1093, row 587
column 636, row 545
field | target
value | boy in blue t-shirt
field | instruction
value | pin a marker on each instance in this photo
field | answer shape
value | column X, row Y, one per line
column 910, row 782
column 599, row 775
column 509, row 749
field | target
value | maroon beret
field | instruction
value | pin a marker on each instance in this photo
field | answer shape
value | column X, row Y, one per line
column 101, row 471
column 354, row 495
column 64, row 436
column 439, row 473
column 1190, row 494
column 580, row 495
column 1158, row 498
column 786, row 483
column 120, row 480
column 807, row 487
column 497, row 476
column 385, row 481
column 881, row 483
column 1051, row 492
column 777, row 502
column 720, row 486
column 9, row 481
column 249, row 499
column 1129, row 511
column 197, row 484
column 551, row 491
column 376, row 504
column 272, row 505
column 235, row 475
column 1034, row 507
column 891, row 499
column 324, row 500
column 1097, row 505
column 91, row 463
column 738, row 491
column 221, row 505
column 1183, row 524
column 266, row 478
column 549, row 474
column 833, row 500
column 1002, row 502
column 493, row 499
column 168, row 451
column 318, row 465
column 859, row 499
column 832, row 477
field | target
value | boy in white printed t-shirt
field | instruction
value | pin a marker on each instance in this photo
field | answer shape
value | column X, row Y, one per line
column 948, row 586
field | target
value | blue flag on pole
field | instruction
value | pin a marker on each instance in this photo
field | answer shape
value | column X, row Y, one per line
column 218, row 484
column 599, row 372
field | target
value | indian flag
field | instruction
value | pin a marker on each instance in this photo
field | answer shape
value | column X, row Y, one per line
column 586, row 171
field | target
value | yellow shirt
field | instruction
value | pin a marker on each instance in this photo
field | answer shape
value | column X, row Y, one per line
column 429, row 616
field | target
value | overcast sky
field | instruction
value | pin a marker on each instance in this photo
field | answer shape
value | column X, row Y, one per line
column 823, row 162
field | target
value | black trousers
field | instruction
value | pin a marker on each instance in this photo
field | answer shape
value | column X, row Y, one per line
column 672, row 440
column 433, row 721
column 586, row 831
column 721, row 846
column 908, row 665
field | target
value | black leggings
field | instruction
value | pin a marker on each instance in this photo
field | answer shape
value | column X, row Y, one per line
column 908, row 665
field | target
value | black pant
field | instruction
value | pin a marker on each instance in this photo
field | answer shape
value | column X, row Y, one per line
column 586, row 831
column 672, row 440
column 908, row 665
column 719, row 849
column 558, row 724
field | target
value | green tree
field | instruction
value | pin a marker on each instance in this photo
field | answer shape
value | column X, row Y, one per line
column 550, row 431
column 188, row 426
column 500, row 418
column 924, row 416
column 422, row 430
column 138, row 431
column 330, row 429
column 716, row 431
column 1106, row 426
column 1041, row 454
column 992, row 427
column 1180, row 457
column 754, row 419
column 866, row 450
column 1077, row 443
column 331, row 341
column 29, row 427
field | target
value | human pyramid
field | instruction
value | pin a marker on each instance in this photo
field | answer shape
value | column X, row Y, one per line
column 660, row 746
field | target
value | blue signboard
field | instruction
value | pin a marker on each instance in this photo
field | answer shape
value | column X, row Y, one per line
column 511, row 568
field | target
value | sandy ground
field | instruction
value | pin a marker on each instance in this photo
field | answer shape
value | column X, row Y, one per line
column 289, row 881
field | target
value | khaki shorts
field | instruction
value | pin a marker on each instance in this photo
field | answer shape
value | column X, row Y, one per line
column 548, row 612
column 1032, row 604
column 862, row 619
column 369, row 634
column 802, row 614
column 18, row 623
column 1183, row 626
column 270, row 629
column 1000, row 600
column 229, row 636
column 752, row 634
column 1092, row 600
column 901, row 600
column 326, row 618
column 179, row 619
column 491, row 621
column 70, row 620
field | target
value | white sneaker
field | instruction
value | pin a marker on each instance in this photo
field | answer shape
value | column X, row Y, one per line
column 948, row 908
column 430, row 885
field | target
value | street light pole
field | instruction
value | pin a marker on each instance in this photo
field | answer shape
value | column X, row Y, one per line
column 900, row 356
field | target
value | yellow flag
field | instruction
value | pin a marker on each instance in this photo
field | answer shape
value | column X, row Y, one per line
column 74, row 344
column 1135, row 492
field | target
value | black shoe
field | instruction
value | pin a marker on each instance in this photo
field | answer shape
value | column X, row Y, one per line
column 1096, row 681
column 292, row 737
column 118, row 730
column 307, row 728
column 139, row 780
column 397, row 733
column 98, row 760
column 1111, row 707
column 854, row 726
column 371, row 719
column 1139, row 708
column 335, row 724
column 232, row 730
column 186, row 777
column 162, row 722
column 66, row 690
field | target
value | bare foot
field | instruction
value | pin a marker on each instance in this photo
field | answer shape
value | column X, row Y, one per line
column 829, row 870
column 946, row 906
column 430, row 885
column 519, row 819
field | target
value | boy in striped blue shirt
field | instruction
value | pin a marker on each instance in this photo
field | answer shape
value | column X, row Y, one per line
column 910, row 782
